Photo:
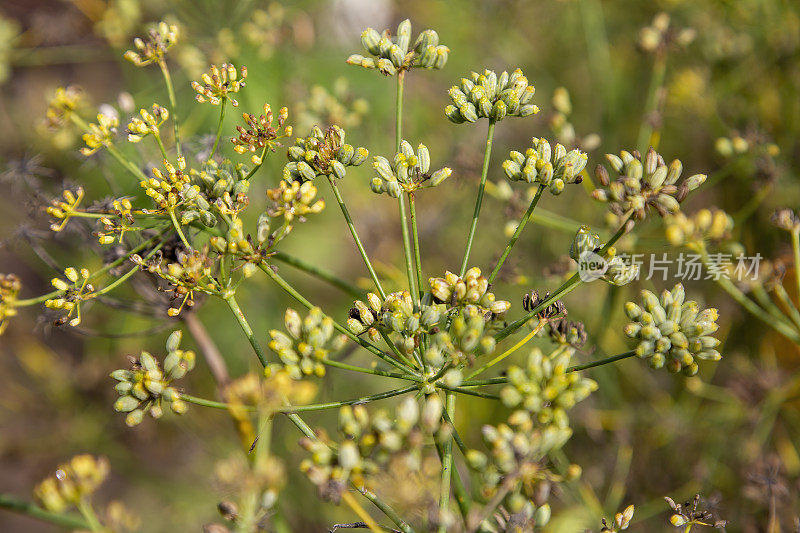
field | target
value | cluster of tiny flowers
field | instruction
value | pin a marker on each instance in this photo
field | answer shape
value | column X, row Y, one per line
column 786, row 219
column 154, row 46
column 219, row 83
column 707, row 225
column 63, row 209
column 10, row 286
column 394, row 54
column 621, row 521
column 100, row 134
column 259, row 134
column 644, row 185
column 64, row 102
column 468, row 337
column 407, row 172
column 586, row 245
column 192, row 272
column 114, row 229
column 545, row 388
column 73, row 291
column 149, row 123
column 472, row 289
column 222, row 184
column 369, row 441
column 672, row 331
column 290, row 200
column 308, row 343
column 549, row 168
column 322, row 153
column 516, row 451
column 146, row 386
column 73, row 483
column 165, row 189
column 491, row 96
column 397, row 314
column 660, row 34
column 689, row 514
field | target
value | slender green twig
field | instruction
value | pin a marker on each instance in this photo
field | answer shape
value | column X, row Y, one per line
column 123, row 278
column 354, row 233
column 653, row 101
column 487, row 154
column 15, row 505
column 517, row 233
column 601, row 362
column 173, row 103
column 89, row 515
column 412, row 205
column 447, row 463
column 320, row 273
column 468, row 392
column 796, row 253
column 219, row 127
column 413, row 282
column 230, row 299
column 178, row 229
column 508, row 352
column 261, row 162
column 373, row 371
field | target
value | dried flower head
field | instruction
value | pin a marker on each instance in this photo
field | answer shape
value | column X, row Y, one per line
column 309, row 341
column 100, row 134
column 407, row 172
column 64, row 209
column 549, row 168
column 10, row 287
column 687, row 515
column 322, row 153
column 392, row 55
column 786, row 219
column 150, row 121
column 259, row 135
column 672, row 331
column 143, row 388
column 73, row 483
column 219, row 83
column 154, row 46
column 62, row 105
column 621, row 521
column 488, row 95
column 472, row 289
column 643, row 185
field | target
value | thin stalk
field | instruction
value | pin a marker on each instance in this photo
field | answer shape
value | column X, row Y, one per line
column 511, row 350
column 601, row 362
column 362, row 514
column 219, row 127
column 651, row 106
column 468, row 392
column 386, row 509
column 173, row 103
column 160, row 143
column 487, row 154
column 398, row 122
column 32, row 510
column 789, row 306
column 517, row 233
column 413, row 283
column 354, row 233
column 256, row 167
column 481, row 382
column 89, row 515
column 796, row 252
column 177, row 227
column 248, row 331
column 462, row 498
column 122, row 279
column 320, row 273
column 757, row 311
column 415, row 241
column 373, row 371
column 447, row 464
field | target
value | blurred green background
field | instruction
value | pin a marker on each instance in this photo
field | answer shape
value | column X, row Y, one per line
column 732, row 434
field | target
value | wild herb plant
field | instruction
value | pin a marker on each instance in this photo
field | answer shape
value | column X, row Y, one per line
column 442, row 337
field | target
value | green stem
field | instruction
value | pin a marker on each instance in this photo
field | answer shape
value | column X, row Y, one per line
column 160, row 143
column 398, row 122
column 652, row 104
column 373, row 371
column 321, row 273
column 248, row 331
column 482, row 382
column 388, row 511
column 508, row 352
column 412, row 205
column 413, row 284
column 796, row 252
column 468, row 392
column 177, row 227
column 71, row 521
column 354, row 233
column 447, row 464
column 487, row 154
column 517, row 233
column 122, row 279
column 256, row 167
column 219, row 127
column 601, row 362
column 88, row 513
column 173, row 103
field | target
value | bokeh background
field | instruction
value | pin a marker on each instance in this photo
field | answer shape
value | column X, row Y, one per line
column 731, row 434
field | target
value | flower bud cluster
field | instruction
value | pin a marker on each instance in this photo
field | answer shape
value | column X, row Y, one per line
column 491, row 96
column 659, row 35
column 322, row 154
column 166, row 188
column 10, row 287
column 672, row 332
column 407, row 171
column 391, row 55
column 550, row 168
column 472, row 289
column 100, row 134
column 146, row 386
column 290, row 200
column 616, row 271
column 73, row 483
column 114, row 229
column 308, row 343
column 63, row 209
column 222, row 184
column 545, row 389
column 259, row 135
column 62, row 105
column 370, row 441
column 219, row 83
column 72, row 292
column 467, row 338
column 707, row 225
column 786, row 219
column 644, row 184
column 621, row 521
column 149, row 123
column 152, row 48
